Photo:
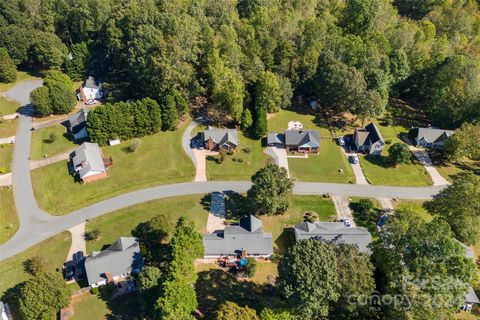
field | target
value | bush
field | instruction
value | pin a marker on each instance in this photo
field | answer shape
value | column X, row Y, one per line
column 247, row 150
column 3, row 169
column 95, row 291
column 135, row 145
column 388, row 141
column 399, row 153
column 251, row 267
column 92, row 235
column 309, row 217
column 52, row 138
column 34, row 265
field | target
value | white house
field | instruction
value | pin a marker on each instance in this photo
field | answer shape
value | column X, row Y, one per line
column 91, row 90
column 88, row 162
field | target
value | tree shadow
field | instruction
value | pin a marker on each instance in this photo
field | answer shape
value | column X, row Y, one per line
column 12, row 298
column 285, row 240
column 123, row 307
column 378, row 160
column 236, row 205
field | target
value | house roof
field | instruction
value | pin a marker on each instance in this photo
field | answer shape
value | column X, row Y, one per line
column 368, row 135
column 471, row 296
column 335, row 232
column 121, row 257
column 248, row 235
column 221, row 136
column 432, row 135
column 86, row 158
column 78, row 121
column 91, row 83
column 302, row 137
column 275, row 138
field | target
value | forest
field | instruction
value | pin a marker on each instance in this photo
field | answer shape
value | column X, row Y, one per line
column 250, row 56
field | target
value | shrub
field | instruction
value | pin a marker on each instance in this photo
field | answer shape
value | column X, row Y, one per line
column 251, row 267
column 309, row 217
column 95, row 291
column 135, row 145
column 52, row 137
column 34, row 265
column 247, row 149
column 388, row 141
column 3, row 169
column 92, row 235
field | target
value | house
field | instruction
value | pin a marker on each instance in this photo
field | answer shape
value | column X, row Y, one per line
column 306, row 141
column 115, row 263
column 430, row 137
column 247, row 237
column 220, row 139
column 368, row 140
column 334, row 232
column 88, row 162
column 5, row 311
column 77, row 125
column 470, row 296
column 275, row 139
column 90, row 90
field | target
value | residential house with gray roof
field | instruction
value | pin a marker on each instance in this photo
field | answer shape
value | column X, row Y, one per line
column 471, row 297
column 334, row 232
column 87, row 162
column 218, row 139
column 77, row 125
column 115, row 263
column 430, row 137
column 295, row 140
column 247, row 236
column 368, row 140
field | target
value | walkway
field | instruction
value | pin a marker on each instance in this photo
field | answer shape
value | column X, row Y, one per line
column 279, row 156
column 35, row 164
column 425, row 160
column 50, row 122
column 7, row 140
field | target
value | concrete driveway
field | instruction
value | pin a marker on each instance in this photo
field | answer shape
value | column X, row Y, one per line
column 78, row 241
column 279, row 156
column 343, row 208
column 425, row 160
column 356, row 167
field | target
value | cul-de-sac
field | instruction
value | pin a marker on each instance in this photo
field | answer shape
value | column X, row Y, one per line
column 240, row 159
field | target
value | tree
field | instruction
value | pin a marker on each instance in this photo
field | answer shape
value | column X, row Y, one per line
column 360, row 16
column 8, row 70
column 55, row 76
column 40, row 99
column 34, row 265
column 230, row 311
column 42, row 296
column 267, row 92
column 260, row 125
column 399, row 153
column 62, row 98
column 149, row 286
column 286, row 92
column 157, row 230
column 270, row 189
column 169, row 113
column 76, row 67
column 465, row 143
column 177, row 301
column 186, row 238
column 247, row 120
column 307, row 278
column 47, row 50
column 459, row 205
column 268, row 314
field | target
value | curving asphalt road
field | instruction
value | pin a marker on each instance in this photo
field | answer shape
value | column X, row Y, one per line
column 37, row 225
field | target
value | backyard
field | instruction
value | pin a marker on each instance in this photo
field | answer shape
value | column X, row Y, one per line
column 43, row 144
column 8, row 214
column 330, row 165
column 159, row 159
column 6, row 156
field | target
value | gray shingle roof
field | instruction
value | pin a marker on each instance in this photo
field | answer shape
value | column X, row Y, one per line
column 248, row 235
column 91, row 82
column 471, row 296
column 275, row 138
column 302, row 137
column 368, row 135
column 432, row 135
column 121, row 257
column 334, row 232
column 87, row 158
column 221, row 136
column 78, row 121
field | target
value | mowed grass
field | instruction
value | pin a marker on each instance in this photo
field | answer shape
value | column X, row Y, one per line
column 232, row 168
column 277, row 224
column 450, row 169
column 160, row 159
column 8, row 215
column 54, row 251
column 42, row 145
column 329, row 165
column 122, row 222
column 6, row 156
column 8, row 107
column 90, row 306
column 415, row 206
column 405, row 174
column 8, row 128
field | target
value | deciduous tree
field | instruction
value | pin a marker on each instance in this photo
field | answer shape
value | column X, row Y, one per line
column 230, row 311
column 8, row 70
column 399, row 153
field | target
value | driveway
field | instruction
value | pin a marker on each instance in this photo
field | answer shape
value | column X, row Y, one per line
column 279, row 156
column 6, row 179
column 216, row 215
column 343, row 208
column 7, row 140
column 78, row 242
column 386, row 203
column 425, row 160
column 35, row 164
column 356, row 167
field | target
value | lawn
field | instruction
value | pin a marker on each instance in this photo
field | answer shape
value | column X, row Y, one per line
column 449, row 169
column 8, row 214
column 6, row 156
column 324, row 208
column 8, row 107
column 42, row 144
column 324, row 167
column 160, row 159
column 241, row 165
column 21, row 76
column 415, row 206
column 93, row 307
column 8, row 128
column 121, row 223
column 54, row 251
column 406, row 174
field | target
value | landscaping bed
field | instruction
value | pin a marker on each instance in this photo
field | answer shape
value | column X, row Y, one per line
column 50, row 141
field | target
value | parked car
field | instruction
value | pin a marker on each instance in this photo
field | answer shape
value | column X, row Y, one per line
column 69, row 271
column 90, row 102
column 354, row 159
column 346, row 222
column 341, row 141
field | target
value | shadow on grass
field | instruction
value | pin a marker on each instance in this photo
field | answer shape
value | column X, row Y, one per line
column 215, row 287
column 366, row 216
column 123, row 307
column 380, row 161
column 285, row 240
column 236, row 205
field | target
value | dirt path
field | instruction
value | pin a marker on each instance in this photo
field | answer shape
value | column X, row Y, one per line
column 78, row 241
column 50, row 122
column 425, row 160
column 35, row 164
column 343, row 209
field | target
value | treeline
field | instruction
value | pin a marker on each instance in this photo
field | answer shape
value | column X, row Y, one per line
column 351, row 55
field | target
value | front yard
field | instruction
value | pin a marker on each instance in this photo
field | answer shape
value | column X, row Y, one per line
column 42, row 143
column 8, row 214
column 8, row 128
column 159, row 159
column 8, row 107
column 330, row 165
column 6, row 156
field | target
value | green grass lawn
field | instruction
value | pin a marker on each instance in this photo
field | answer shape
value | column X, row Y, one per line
column 54, row 251
column 449, row 169
column 90, row 306
column 122, row 222
column 6, row 156
column 41, row 144
column 324, row 167
column 160, row 159
column 8, row 214
column 241, row 165
column 21, row 76
column 8, row 128
column 8, row 106
column 415, row 206
column 405, row 174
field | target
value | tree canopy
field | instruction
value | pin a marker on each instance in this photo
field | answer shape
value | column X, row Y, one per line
column 8, row 70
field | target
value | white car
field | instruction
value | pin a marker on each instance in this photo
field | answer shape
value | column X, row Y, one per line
column 346, row 222
column 354, row 159
column 341, row 141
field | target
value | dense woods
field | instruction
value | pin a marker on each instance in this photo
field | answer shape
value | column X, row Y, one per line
column 248, row 55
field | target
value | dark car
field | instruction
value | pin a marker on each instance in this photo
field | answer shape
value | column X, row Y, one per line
column 69, row 272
